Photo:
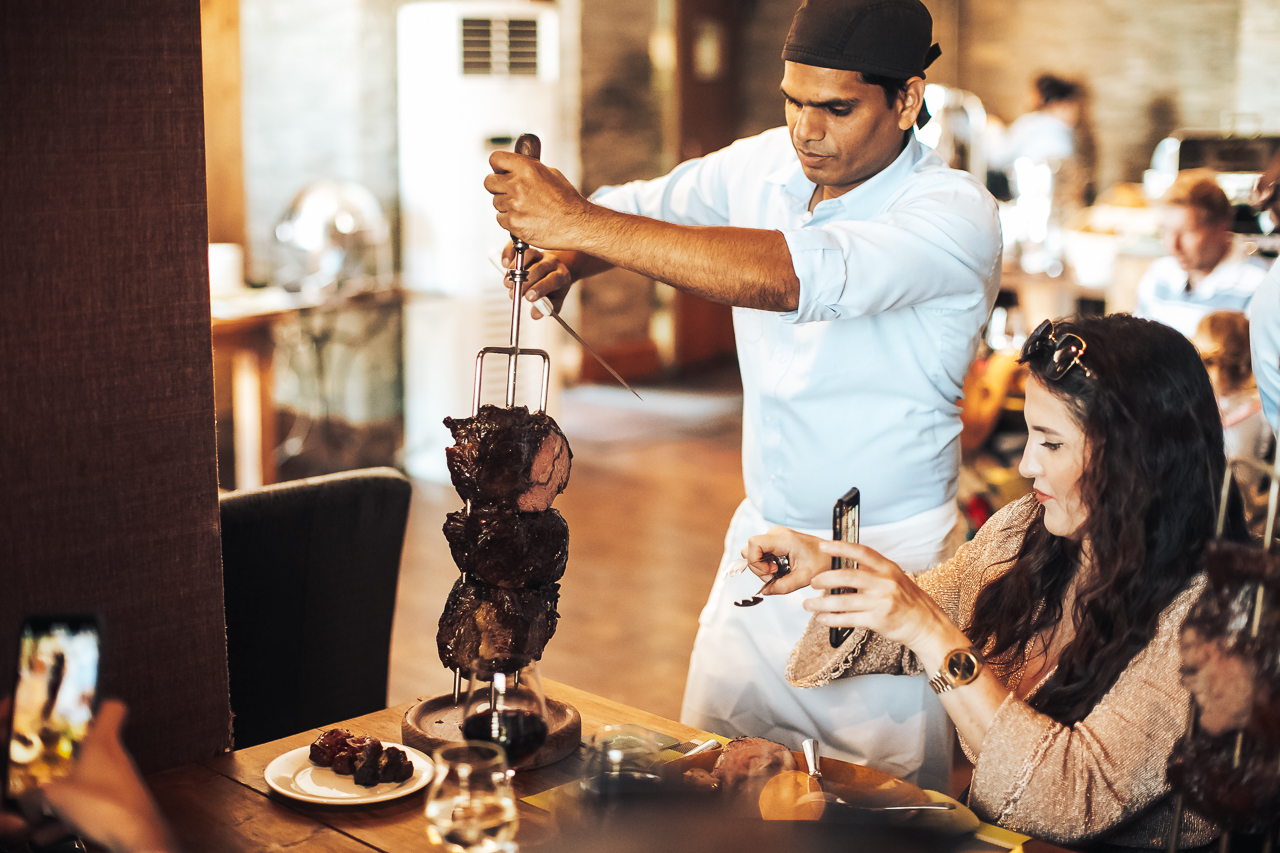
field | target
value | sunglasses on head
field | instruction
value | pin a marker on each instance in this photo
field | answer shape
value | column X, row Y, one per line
column 1066, row 351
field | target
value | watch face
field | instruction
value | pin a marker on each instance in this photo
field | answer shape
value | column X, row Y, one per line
column 962, row 666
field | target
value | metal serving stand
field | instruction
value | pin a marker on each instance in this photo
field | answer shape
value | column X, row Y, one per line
column 434, row 722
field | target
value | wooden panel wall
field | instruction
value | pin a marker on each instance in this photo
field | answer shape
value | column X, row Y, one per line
column 108, row 496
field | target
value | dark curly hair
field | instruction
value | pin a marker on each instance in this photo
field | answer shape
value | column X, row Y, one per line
column 1150, row 485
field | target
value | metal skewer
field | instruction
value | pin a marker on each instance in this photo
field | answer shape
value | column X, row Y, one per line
column 530, row 146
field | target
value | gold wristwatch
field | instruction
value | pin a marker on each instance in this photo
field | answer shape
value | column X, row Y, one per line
column 959, row 667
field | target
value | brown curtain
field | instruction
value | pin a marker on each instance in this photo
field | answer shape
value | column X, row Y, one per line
column 108, row 490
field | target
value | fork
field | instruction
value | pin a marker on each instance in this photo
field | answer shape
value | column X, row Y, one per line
column 784, row 568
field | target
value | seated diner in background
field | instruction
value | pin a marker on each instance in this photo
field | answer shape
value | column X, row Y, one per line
column 1223, row 341
column 1053, row 636
column 1206, row 269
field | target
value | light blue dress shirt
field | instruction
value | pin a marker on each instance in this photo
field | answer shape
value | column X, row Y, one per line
column 860, row 385
column 1163, row 296
column 1264, row 341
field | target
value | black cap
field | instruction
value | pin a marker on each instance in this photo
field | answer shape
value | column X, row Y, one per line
column 893, row 38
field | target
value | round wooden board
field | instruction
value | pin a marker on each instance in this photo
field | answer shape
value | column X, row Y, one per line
column 436, row 722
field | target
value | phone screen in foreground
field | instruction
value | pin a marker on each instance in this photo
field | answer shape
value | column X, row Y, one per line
column 54, row 700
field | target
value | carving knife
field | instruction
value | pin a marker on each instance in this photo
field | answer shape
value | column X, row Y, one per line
column 545, row 306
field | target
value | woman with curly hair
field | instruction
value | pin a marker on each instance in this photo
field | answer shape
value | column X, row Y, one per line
column 1052, row 637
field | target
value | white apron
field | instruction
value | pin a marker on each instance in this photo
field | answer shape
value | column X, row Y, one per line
column 737, row 684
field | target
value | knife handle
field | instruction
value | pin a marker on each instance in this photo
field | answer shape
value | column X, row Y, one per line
column 529, row 146
column 810, row 749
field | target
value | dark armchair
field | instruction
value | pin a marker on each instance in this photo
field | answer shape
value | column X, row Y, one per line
column 310, row 570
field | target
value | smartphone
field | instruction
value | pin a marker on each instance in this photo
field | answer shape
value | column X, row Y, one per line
column 844, row 528
column 54, row 699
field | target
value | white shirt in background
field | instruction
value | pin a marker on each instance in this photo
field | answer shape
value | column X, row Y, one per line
column 1038, row 136
column 1264, row 341
column 1163, row 296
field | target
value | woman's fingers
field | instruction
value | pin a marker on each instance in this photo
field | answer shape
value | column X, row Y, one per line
column 802, row 554
column 865, row 557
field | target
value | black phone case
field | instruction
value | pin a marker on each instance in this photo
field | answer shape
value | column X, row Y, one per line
column 844, row 528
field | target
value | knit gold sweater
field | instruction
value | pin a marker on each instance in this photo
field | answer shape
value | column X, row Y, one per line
column 1102, row 778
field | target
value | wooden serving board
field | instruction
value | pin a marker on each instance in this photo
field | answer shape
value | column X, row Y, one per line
column 436, row 722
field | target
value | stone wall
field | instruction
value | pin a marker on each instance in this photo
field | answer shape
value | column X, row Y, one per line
column 1151, row 67
column 1258, row 62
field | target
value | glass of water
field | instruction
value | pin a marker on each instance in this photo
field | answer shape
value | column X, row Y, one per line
column 470, row 806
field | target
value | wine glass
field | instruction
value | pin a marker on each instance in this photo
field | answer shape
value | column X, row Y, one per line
column 506, row 706
column 470, row 806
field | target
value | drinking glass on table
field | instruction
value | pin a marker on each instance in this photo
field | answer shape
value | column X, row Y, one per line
column 470, row 806
column 621, row 760
column 506, row 706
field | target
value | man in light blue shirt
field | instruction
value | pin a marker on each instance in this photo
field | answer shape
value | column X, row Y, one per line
column 861, row 271
column 1264, row 311
column 1205, row 270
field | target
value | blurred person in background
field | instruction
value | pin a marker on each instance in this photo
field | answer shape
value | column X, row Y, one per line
column 1264, row 314
column 1054, row 131
column 1205, row 269
column 1223, row 341
column 1048, row 131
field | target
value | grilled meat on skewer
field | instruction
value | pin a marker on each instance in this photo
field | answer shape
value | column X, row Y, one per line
column 506, row 548
column 508, row 456
column 483, row 621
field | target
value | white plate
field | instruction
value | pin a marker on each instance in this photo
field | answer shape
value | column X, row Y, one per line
column 293, row 775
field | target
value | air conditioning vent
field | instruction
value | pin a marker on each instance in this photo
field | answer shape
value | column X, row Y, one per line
column 477, row 46
column 522, row 47
column 498, row 46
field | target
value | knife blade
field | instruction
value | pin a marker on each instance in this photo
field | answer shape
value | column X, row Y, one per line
column 545, row 306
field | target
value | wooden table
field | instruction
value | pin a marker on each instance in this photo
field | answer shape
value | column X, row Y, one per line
column 223, row 804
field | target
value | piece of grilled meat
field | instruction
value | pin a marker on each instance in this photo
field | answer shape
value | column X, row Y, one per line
column 508, row 456
column 507, row 548
column 749, row 762
column 483, row 621
column 361, row 757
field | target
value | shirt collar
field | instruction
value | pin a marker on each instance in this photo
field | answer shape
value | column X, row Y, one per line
column 863, row 200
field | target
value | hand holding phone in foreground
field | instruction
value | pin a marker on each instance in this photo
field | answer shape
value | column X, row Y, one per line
column 103, row 799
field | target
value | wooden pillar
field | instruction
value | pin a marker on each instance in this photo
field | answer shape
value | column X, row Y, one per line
column 108, row 490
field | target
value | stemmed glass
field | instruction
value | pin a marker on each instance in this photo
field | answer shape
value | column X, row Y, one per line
column 470, row 807
column 506, row 706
